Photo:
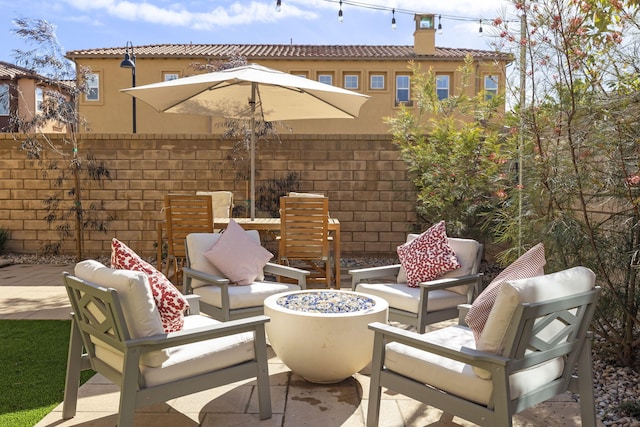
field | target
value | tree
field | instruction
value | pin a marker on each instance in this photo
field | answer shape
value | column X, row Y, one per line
column 581, row 159
column 65, row 207
column 455, row 153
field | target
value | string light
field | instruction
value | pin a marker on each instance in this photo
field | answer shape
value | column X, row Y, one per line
column 278, row 5
column 393, row 11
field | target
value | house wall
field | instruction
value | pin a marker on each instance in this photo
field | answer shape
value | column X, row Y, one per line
column 113, row 111
column 362, row 175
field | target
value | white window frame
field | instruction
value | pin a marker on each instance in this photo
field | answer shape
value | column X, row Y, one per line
column 491, row 85
column 443, row 86
column 93, row 86
column 401, row 87
column 5, row 100
column 39, row 94
column 351, row 81
column 325, row 78
column 372, row 82
column 170, row 75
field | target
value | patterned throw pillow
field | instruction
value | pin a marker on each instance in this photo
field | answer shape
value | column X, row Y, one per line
column 169, row 300
column 238, row 256
column 428, row 256
column 530, row 264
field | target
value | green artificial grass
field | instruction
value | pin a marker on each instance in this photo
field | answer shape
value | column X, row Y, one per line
column 33, row 363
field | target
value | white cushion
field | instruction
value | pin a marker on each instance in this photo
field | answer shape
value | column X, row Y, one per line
column 403, row 297
column 252, row 295
column 199, row 243
column 136, row 299
column 221, row 201
column 536, row 289
column 192, row 359
column 240, row 258
column 458, row 378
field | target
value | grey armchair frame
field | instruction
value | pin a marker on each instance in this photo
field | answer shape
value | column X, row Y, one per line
column 524, row 350
column 423, row 316
column 111, row 329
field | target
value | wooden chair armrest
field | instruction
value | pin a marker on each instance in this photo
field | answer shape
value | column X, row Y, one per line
column 451, row 282
column 194, row 304
column 463, row 309
column 361, row 274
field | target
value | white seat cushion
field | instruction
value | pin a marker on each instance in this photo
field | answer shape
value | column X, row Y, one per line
column 403, row 297
column 458, row 378
column 190, row 359
column 252, row 295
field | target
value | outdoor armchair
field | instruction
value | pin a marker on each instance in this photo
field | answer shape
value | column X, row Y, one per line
column 117, row 332
column 535, row 345
column 432, row 301
column 220, row 297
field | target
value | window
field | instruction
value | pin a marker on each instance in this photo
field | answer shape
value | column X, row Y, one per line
column 93, row 87
column 4, row 99
column 377, row 82
column 442, row 86
column 39, row 100
column 302, row 74
column 170, row 76
column 490, row 86
column 351, row 81
column 402, row 89
column 325, row 78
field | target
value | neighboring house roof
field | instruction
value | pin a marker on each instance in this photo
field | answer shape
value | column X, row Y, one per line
column 288, row 51
column 12, row 72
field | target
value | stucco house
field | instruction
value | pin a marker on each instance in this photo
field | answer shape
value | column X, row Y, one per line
column 22, row 93
column 378, row 71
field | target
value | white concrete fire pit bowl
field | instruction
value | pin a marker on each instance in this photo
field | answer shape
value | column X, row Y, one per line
column 322, row 335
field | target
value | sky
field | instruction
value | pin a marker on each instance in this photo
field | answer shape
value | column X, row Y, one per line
column 87, row 24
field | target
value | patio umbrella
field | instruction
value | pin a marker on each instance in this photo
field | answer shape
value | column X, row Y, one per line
column 251, row 92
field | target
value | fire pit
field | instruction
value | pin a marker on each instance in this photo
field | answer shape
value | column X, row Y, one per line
column 322, row 335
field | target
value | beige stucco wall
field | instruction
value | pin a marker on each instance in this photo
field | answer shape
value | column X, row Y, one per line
column 362, row 175
column 113, row 112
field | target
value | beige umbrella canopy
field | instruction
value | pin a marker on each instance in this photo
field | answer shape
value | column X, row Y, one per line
column 251, row 92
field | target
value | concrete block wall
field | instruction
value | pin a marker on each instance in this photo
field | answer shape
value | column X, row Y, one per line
column 362, row 175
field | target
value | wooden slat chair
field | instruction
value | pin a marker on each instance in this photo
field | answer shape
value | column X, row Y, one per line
column 304, row 235
column 185, row 214
column 534, row 346
column 432, row 301
column 116, row 331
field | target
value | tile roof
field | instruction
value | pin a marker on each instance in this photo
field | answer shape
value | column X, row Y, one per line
column 287, row 51
column 11, row 71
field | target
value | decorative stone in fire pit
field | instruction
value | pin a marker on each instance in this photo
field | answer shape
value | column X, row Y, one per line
column 322, row 335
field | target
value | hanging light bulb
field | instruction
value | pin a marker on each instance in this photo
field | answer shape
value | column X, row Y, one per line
column 278, row 5
column 393, row 19
column 480, row 30
column 439, row 24
column 340, row 18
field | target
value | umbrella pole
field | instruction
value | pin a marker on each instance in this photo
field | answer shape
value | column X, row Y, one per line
column 252, row 102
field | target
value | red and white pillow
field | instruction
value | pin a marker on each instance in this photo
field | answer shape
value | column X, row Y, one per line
column 428, row 256
column 169, row 300
column 530, row 264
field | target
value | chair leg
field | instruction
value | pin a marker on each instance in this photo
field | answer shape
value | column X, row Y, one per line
column 128, row 388
column 262, row 380
column 585, row 386
column 375, row 388
column 74, row 366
